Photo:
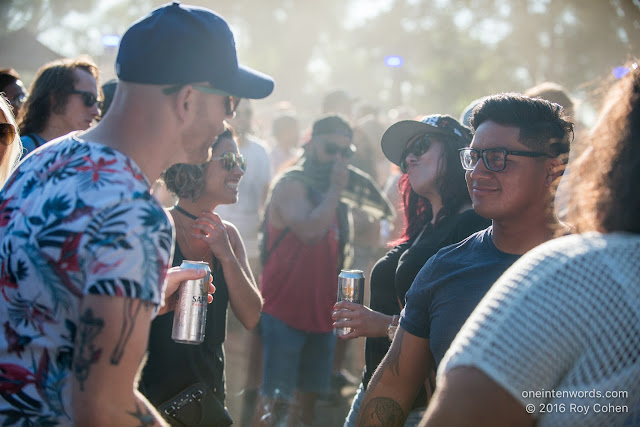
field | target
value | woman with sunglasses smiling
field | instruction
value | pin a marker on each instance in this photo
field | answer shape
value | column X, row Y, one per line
column 10, row 146
column 437, row 211
column 202, row 235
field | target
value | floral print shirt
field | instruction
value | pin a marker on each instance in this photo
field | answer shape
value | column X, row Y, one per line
column 76, row 218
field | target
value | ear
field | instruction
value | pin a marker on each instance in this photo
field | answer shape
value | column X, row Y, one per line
column 184, row 102
column 555, row 169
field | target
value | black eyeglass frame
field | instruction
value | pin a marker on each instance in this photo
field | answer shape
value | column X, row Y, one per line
column 89, row 99
column 483, row 154
column 7, row 134
column 231, row 159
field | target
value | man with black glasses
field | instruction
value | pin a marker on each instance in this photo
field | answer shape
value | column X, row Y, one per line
column 85, row 247
column 63, row 98
column 517, row 155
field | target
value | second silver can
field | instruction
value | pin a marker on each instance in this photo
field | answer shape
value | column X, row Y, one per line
column 190, row 316
column 350, row 288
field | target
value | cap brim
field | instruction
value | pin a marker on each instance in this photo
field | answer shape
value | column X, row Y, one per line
column 395, row 139
column 249, row 83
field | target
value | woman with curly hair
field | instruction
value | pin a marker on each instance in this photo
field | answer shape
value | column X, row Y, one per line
column 556, row 341
column 201, row 235
column 438, row 213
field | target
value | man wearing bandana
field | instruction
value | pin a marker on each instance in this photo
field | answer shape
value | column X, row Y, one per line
column 305, row 244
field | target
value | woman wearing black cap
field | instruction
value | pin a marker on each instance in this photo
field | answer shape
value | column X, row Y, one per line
column 437, row 211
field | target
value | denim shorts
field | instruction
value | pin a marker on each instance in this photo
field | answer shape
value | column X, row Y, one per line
column 295, row 360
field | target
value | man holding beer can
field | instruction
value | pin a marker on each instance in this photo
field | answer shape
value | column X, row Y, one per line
column 84, row 247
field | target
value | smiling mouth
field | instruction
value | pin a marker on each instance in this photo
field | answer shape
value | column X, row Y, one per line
column 233, row 185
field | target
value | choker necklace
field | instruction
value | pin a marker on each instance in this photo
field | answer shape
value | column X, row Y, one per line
column 185, row 213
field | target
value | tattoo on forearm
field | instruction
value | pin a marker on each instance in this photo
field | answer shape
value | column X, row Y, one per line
column 131, row 308
column 143, row 415
column 86, row 354
column 381, row 412
column 393, row 359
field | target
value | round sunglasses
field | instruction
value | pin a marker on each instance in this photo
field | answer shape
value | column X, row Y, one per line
column 230, row 160
column 7, row 134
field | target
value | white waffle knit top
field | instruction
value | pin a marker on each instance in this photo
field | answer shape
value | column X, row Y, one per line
column 560, row 330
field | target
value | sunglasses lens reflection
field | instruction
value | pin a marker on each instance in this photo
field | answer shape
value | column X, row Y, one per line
column 7, row 134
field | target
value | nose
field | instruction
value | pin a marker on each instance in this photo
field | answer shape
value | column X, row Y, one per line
column 479, row 169
column 95, row 110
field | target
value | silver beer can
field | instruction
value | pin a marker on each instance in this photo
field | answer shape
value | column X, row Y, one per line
column 350, row 288
column 190, row 316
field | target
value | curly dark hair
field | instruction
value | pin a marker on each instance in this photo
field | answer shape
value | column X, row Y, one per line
column 604, row 179
column 50, row 91
column 543, row 125
column 452, row 187
column 187, row 181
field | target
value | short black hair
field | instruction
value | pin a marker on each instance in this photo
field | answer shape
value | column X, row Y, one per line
column 543, row 125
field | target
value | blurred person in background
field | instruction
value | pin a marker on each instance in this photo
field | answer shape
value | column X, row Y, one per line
column 108, row 90
column 512, row 165
column 306, row 240
column 565, row 317
column 555, row 93
column 64, row 97
column 10, row 146
column 13, row 89
column 437, row 209
column 202, row 235
column 286, row 139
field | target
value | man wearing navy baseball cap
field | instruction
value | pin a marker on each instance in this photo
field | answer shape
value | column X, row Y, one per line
column 83, row 242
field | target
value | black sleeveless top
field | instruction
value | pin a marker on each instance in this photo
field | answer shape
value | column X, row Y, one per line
column 173, row 367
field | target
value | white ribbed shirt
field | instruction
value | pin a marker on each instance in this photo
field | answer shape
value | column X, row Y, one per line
column 560, row 330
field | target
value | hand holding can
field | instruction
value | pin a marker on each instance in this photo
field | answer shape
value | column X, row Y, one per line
column 190, row 315
column 351, row 289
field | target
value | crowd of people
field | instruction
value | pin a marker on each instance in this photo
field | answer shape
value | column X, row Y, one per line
column 501, row 261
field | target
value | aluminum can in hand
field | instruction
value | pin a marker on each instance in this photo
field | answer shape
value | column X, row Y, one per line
column 190, row 316
column 350, row 288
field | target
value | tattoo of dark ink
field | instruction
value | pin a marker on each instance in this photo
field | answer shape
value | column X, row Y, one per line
column 86, row 352
column 131, row 308
column 143, row 415
column 382, row 412
column 393, row 358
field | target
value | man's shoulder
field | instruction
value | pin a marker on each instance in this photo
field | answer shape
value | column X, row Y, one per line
column 465, row 246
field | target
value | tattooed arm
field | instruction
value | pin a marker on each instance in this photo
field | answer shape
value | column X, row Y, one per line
column 397, row 381
column 111, row 340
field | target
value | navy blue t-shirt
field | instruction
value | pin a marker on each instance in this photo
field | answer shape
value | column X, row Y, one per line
column 448, row 288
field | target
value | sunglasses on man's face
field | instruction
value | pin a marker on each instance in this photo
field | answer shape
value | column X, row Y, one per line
column 88, row 99
column 417, row 148
column 230, row 102
column 7, row 134
column 230, row 160
column 331, row 148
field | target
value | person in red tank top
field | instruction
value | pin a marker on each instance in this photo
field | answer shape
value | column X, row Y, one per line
column 305, row 236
